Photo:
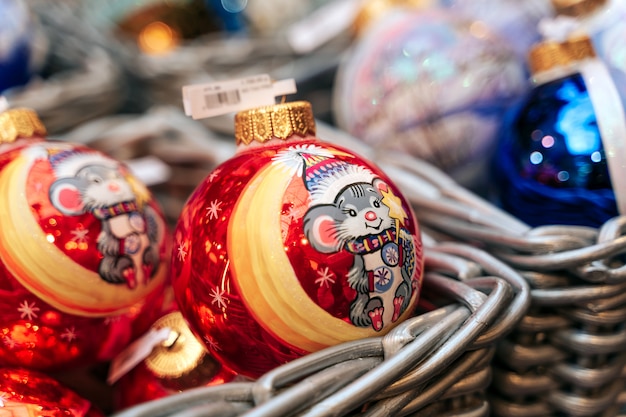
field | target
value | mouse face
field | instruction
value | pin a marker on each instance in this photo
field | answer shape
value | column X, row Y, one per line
column 356, row 212
column 92, row 187
column 102, row 186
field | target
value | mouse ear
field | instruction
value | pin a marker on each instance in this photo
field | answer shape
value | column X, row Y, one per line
column 322, row 234
column 65, row 197
column 380, row 185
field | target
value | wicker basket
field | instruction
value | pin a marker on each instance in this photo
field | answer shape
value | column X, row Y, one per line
column 567, row 355
column 563, row 357
column 515, row 321
column 437, row 363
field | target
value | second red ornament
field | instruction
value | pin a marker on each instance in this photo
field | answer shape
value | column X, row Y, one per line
column 83, row 250
column 293, row 245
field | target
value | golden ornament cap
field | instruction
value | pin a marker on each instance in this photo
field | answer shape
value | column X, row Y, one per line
column 279, row 121
column 551, row 54
column 577, row 8
column 180, row 354
column 20, row 123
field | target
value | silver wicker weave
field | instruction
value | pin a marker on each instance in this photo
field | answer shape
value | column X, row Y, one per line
column 565, row 356
column 437, row 363
column 522, row 321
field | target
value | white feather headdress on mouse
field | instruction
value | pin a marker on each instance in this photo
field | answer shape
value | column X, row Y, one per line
column 66, row 163
column 323, row 174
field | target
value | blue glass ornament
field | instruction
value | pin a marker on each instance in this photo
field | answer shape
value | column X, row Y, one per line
column 605, row 23
column 551, row 165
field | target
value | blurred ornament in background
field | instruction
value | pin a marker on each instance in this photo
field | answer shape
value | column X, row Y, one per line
column 513, row 20
column 293, row 245
column 563, row 150
column 371, row 10
column 178, row 363
column 432, row 84
column 156, row 26
column 16, row 38
column 27, row 393
column 83, row 250
column 229, row 13
column 605, row 22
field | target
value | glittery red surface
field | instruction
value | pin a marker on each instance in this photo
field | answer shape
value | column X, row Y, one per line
column 206, row 288
column 35, row 334
column 30, row 393
column 142, row 385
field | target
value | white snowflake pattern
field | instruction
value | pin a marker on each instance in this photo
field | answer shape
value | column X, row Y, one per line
column 211, row 344
column 28, row 311
column 182, row 251
column 218, row 297
column 293, row 213
column 10, row 343
column 79, row 235
column 326, row 277
column 69, row 334
column 214, row 209
column 3, row 398
column 214, row 175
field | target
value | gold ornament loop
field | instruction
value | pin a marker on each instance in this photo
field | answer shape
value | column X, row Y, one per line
column 180, row 353
column 279, row 121
column 20, row 123
column 550, row 54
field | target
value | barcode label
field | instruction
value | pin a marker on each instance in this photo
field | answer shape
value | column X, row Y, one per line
column 214, row 99
column 223, row 98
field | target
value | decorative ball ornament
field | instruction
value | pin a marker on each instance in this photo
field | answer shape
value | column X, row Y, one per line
column 179, row 363
column 28, row 393
column 83, row 250
column 293, row 245
column 514, row 21
column 604, row 21
column 561, row 157
column 428, row 83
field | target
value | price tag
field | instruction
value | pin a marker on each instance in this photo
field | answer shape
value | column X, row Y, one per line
column 215, row 99
column 136, row 352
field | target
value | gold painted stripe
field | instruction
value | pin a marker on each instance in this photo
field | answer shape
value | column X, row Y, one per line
column 27, row 254
column 266, row 279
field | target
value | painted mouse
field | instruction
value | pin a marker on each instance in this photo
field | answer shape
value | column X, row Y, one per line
column 89, row 182
column 352, row 209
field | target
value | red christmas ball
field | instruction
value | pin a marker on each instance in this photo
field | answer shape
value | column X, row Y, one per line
column 30, row 393
column 178, row 363
column 83, row 250
column 293, row 245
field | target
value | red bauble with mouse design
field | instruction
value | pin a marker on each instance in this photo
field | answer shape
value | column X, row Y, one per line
column 28, row 393
column 293, row 245
column 83, row 250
